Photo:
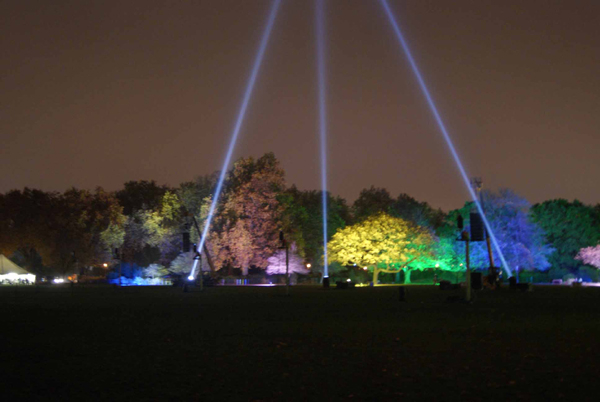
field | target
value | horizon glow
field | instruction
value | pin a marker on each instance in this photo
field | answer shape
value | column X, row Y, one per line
column 238, row 124
column 320, row 35
column 442, row 128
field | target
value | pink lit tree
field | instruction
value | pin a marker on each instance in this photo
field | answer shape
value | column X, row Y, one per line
column 590, row 256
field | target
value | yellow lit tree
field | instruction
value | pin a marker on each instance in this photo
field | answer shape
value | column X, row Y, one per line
column 383, row 244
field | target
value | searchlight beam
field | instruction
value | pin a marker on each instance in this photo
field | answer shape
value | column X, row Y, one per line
column 442, row 128
column 238, row 125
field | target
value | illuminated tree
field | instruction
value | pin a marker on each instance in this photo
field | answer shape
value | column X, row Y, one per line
column 521, row 240
column 193, row 194
column 246, row 230
column 154, row 271
column 295, row 262
column 590, row 256
column 152, row 235
column 384, row 244
column 182, row 264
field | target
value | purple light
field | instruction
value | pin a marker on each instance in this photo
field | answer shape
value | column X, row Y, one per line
column 442, row 127
column 320, row 17
column 238, row 123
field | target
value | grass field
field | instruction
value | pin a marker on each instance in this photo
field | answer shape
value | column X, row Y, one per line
column 256, row 344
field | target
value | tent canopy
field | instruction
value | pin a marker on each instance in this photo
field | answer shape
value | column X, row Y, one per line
column 7, row 267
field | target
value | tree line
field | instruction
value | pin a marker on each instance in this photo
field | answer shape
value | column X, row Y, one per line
column 52, row 233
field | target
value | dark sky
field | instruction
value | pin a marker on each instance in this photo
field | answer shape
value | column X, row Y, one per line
column 102, row 92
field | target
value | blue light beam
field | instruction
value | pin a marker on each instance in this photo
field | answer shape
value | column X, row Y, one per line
column 320, row 27
column 442, row 127
column 238, row 124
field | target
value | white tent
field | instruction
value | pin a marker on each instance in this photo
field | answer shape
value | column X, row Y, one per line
column 12, row 274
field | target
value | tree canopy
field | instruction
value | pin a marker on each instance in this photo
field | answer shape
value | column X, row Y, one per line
column 246, row 230
column 568, row 227
column 382, row 243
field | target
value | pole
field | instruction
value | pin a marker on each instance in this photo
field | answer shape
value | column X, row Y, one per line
column 287, row 270
column 201, row 273
column 120, row 255
column 468, row 297
column 492, row 269
column 478, row 184
column 198, row 251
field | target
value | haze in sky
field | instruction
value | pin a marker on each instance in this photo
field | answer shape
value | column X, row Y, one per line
column 97, row 93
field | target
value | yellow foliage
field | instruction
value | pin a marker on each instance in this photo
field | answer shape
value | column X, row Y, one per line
column 381, row 239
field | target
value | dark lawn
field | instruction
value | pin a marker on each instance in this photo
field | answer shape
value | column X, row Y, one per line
column 228, row 343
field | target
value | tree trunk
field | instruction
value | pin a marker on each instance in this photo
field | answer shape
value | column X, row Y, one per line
column 407, row 275
column 375, row 275
column 245, row 271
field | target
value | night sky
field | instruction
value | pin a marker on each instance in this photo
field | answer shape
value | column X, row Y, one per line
column 96, row 93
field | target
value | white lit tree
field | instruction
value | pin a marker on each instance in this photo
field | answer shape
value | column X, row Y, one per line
column 154, row 271
column 277, row 262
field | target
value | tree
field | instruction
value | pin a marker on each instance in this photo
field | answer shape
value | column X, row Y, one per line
column 295, row 262
column 154, row 235
column 141, row 195
column 568, row 227
column 182, row 265
column 76, row 229
column 590, row 256
column 420, row 213
column 371, row 202
column 384, row 244
column 154, row 271
column 520, row 239
column 64, row 230
column 303, row 221
column 246, row 230
column 193, row 194
column 25, row 218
